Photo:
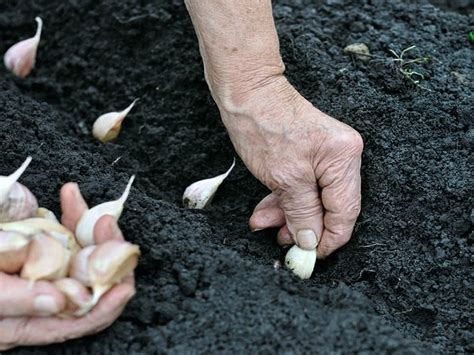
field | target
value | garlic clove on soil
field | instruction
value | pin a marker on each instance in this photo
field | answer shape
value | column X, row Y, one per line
column 107, row 127
column 199, row 194
column 13, row 251
column 20, row 58
column 32, row 226
column 16, row 201
column 301, row 261
column 85, row 226
column 46, row 214
column 47, row 259
column 77, row 295
column 79, row 267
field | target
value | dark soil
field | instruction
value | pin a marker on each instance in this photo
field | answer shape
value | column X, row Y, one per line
column 205, row 283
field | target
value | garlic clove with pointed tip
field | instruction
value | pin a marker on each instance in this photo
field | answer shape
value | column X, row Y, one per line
column 21, row 57
column 85, row 226
column 32, row 226
column 79, row 267
column 107, row 127
column 16, row 201
column 13, row 251
column 42, row 212
column 199, row 194
column 301, row 261
column 109, row 264
column 77, row 295
column 47, row 259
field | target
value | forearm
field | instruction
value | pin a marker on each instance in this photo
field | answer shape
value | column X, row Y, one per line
column 238, row 44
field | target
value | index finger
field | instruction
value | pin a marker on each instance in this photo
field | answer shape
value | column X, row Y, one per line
column 341, row 200
column 72, row 205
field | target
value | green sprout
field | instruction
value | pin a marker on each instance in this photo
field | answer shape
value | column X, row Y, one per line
column 404, row 66
column 470, row 36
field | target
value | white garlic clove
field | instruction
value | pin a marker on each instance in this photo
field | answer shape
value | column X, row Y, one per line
column 32, row 226
column 77, row 295
column 199, row 194
column 46, row 214
column 13, row 251
column 109, row 264
column 20, row 58
column 16, row 201
column 107, row 127
column 301, row 261
column 79, row 267
column 47, row 259
column 85, row 226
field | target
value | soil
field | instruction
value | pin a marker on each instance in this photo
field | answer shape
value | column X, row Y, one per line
column 206, row 284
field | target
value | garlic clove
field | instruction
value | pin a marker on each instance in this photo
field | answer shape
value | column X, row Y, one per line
column 13, row 251
column 108, row 265
column 20, row 58
column 77, row 295
column 85, row 226
column 301, row 261
column 32, row 226
column 107, row 127
column 79, row 268
column 16, row 201
column 46, row 214
column 47, row 259
column 199, row 194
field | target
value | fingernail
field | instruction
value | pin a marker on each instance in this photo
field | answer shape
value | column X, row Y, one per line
column 45, row 305
column 257, row 229
column 306, row 239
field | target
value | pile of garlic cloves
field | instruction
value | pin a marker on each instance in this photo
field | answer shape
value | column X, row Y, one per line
column 34, row 245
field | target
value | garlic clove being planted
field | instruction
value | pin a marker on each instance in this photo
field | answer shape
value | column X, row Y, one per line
column 13, row 251
column 107, row 127
column 109, row 264
column 20, row 58
column 77, row 295
column 16, row 201
column 85, row 226
column 301, row 261
column 47, row 259
column 199, row 194
column 79, row 267
column 32, row 226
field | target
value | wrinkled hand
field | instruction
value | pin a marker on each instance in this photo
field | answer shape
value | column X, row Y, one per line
column 309, row 160
column 27, row 316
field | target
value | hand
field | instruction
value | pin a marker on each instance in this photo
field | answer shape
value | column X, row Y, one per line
column 309, row 160
column 27, row 316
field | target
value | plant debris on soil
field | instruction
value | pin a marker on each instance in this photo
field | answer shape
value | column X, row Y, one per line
column 205, row 283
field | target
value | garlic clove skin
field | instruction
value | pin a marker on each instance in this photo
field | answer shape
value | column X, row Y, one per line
column 21, row 57
column 301, row 261
column 85, row 226
column 32, row 226
column 107, row 127
column 199, row 194
column 77, row 295
column 109, row 264
column 13, row 251
column 16, row 201
column 42, row 212
column 47, row 259
column 79, row 267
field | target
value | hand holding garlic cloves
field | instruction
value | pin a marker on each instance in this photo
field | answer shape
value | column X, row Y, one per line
column 28, row 311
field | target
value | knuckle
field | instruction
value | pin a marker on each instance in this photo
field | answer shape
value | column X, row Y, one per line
column 349, row 140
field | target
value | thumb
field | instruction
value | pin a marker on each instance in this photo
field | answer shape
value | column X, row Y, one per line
column 304, row 215
column 19, row 297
